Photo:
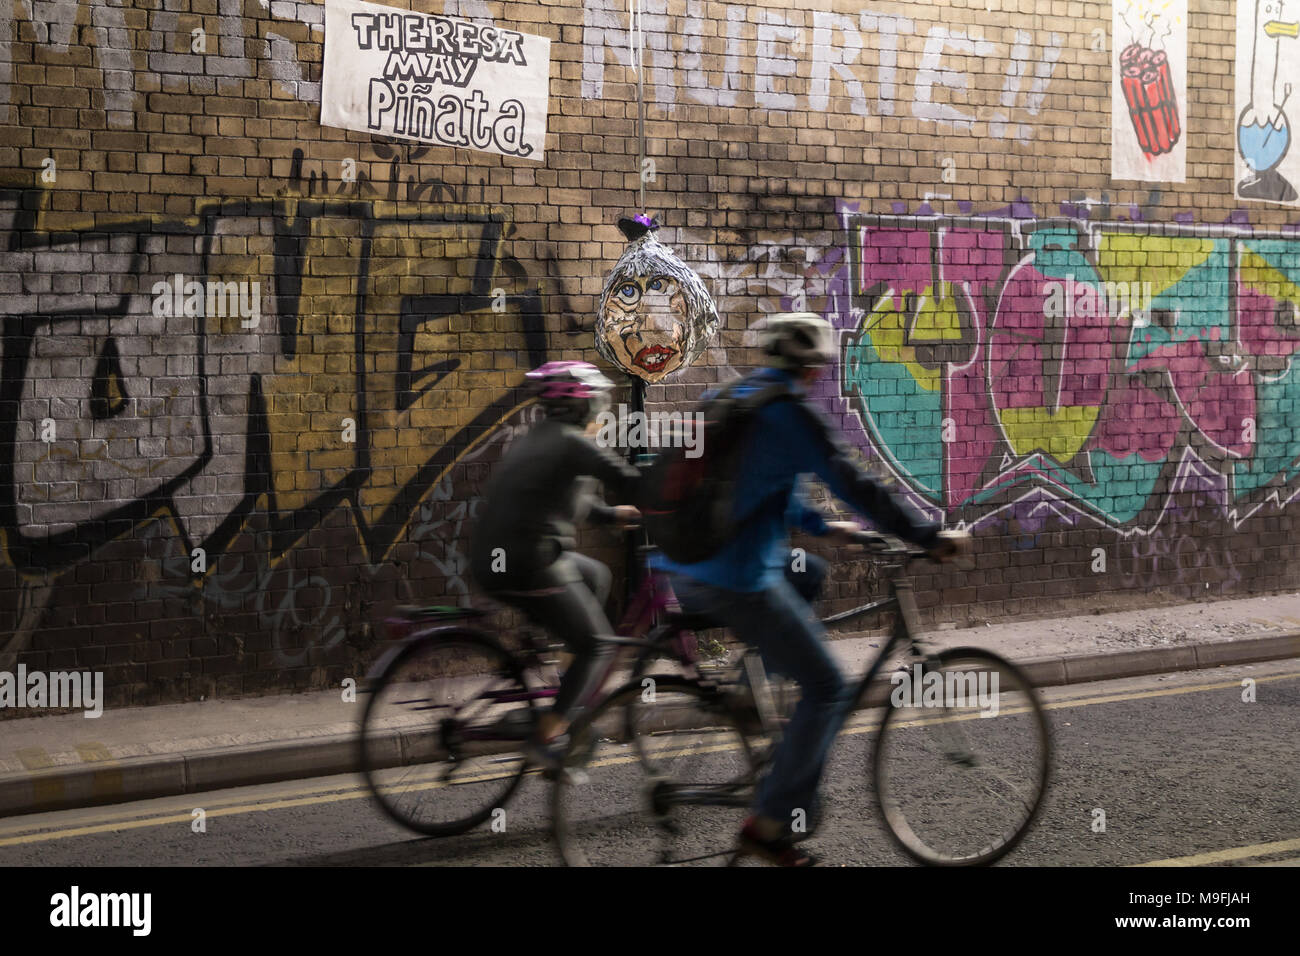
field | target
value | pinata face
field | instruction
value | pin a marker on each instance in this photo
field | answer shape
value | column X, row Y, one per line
column 655, row 314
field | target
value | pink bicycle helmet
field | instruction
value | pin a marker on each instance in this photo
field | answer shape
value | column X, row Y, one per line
column 573, row 391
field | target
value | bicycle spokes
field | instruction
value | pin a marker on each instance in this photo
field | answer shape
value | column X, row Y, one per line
column 441, row 733
column 668, row 778
column 961, row 765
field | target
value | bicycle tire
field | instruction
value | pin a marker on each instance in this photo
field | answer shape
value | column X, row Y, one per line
column 784, row 694
column 381, row 762
column 901, row 830
column 623, row 782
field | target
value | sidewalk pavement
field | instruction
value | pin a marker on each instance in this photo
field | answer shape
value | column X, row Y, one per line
column 67, row 760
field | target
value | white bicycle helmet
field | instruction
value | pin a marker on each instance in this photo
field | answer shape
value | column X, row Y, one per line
column 798, row 340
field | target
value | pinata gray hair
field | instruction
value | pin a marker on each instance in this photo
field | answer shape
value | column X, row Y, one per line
column 645, row 257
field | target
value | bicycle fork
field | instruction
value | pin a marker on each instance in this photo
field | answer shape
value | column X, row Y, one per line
column 925, row 653
column 761, row 689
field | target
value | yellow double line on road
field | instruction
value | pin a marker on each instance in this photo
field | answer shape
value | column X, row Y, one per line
column 1228, row 856
column 19, row 832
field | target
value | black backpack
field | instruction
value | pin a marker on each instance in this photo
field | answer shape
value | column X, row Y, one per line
column 687, row 503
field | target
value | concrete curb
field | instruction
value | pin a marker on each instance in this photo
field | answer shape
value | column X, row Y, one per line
column 139, row 778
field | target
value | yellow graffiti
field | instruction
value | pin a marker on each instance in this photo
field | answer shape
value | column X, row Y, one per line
column 1060, row 433
column 354, row 287
column 1160, row 260
column 339, row 410
column 895, row 333
column 414, row 256
column 1254, row 273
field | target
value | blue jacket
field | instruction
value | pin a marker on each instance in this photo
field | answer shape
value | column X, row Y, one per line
column 790, row 439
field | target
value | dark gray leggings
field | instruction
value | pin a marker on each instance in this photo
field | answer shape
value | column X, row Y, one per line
column 575, row 614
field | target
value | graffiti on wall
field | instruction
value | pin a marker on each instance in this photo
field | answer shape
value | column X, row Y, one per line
column 846, row 56
column 1076, row 368
column 367, row 372
column 1024, row 376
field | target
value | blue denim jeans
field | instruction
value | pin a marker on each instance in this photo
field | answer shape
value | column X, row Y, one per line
column 780, row 625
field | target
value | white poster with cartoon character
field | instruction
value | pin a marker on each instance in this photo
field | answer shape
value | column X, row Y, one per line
column 1268, row 89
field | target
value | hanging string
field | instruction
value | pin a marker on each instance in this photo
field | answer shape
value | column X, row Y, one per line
column 636, row 55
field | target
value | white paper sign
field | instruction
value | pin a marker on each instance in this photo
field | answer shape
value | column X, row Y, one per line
column 1148, row 102
column 1268, row 97
column 434, row 79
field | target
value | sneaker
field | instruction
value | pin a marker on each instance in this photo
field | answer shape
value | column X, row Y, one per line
column 570, row 776
column 550, row 759
column 779, row 852
column 548, row 756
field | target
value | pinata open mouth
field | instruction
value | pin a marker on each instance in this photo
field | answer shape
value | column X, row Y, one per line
column 653, row 358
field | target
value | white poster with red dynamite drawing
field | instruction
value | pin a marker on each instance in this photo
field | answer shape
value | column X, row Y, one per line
column 434, row 79
column 1149, row 91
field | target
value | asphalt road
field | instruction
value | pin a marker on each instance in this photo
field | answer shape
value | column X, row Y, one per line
column 1183, row 768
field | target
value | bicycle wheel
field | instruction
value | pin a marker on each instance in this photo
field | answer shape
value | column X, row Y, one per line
column 441, row 733
column 658, row 772
column 961, row 760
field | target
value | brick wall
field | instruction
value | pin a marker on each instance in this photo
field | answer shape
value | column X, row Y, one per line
column 204, row 505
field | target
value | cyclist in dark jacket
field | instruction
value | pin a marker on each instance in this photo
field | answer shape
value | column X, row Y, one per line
column 522, row 549
column 746, row 586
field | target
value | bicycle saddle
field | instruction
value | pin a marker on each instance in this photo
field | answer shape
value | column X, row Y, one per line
column 438, row 612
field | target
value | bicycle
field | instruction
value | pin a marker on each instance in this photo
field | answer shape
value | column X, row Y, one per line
column 440, row 743
column 705, row 752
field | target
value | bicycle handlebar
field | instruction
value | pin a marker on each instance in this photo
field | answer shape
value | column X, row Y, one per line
column 885, row 544
column 904, row 553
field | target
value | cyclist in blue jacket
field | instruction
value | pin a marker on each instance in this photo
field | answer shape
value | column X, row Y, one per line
column 745, row 587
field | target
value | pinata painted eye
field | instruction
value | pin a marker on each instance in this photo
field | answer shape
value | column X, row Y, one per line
column 655, row 285
column 629, row 293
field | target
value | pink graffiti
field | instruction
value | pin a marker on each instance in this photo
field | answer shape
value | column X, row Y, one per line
column 896, row 258
column 1040, row 362
column 1135, row 421
column 1257, row 325
column 1027, row 391
column 1217, row 393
